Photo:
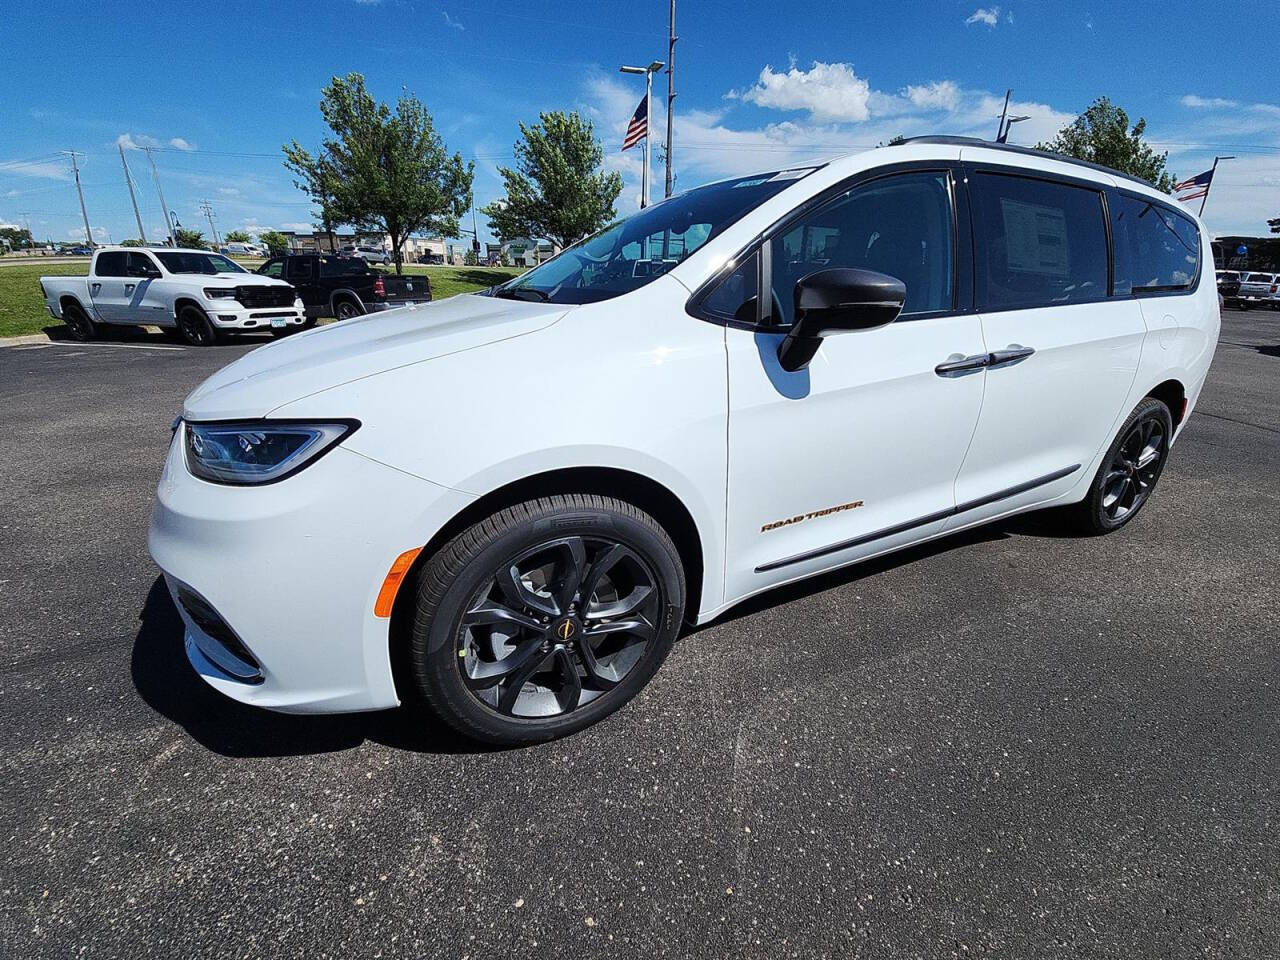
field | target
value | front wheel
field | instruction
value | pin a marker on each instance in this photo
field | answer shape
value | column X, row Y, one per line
column 195, row 328
column 1129, row 471
column 545, row 617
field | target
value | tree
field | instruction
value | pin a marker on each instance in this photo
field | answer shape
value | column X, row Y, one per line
column 1102, row 135
column 1274, row 225
column 16, row 237
column 237, row 236
column 190, row 239
column 130, row 242
column 382, row 170
column 557, row 191
column 275, row 242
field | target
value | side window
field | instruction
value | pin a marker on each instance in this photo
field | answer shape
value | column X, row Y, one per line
column 298, row 268
column 114, row 263
column 734, row 298
column 1037, row 242
column 1156, row 248
column 141, row 265
column 274, row 268
column 902, row 226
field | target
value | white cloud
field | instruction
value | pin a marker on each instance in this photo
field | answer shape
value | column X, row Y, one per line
column 942, row 94
column 131, row 141
column 450, row 21
column 179, row 144
column 984, row 15
column 1207, row 103
column 229, row 191
column 47, row 170
column 827, row 91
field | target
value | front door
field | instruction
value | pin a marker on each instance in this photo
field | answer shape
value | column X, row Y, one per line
column 858, row 453
column 1064, row 350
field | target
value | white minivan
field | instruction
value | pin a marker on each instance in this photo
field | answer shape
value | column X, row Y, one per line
column 506, row 505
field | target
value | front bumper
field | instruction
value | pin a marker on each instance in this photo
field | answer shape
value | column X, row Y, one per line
column 233, row 316
column 288, row 574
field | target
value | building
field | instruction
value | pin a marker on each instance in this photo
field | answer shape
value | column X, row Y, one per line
column 1247, row 253
column 524, row 252
column 411, row 250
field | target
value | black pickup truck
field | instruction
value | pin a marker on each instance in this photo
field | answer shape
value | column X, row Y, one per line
column 345, row 287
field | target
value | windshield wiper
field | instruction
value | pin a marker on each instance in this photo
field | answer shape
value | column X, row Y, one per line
column 516, row 293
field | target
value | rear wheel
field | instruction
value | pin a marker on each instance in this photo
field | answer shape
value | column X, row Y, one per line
column 195, row 328
column 1129, row 471
column 346, row 309
column 78, row 322
column 545, row 617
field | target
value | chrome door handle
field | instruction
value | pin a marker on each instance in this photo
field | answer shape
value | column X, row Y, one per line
column 1010, row 355
column 975, row 362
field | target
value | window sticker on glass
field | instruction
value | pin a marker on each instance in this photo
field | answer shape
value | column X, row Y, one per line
column 1035, row 238
column 790, row 174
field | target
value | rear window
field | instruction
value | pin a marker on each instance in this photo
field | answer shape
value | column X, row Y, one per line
column 1259, row 277
column 342, row 266
column 1157, row 248
column 1039, row 242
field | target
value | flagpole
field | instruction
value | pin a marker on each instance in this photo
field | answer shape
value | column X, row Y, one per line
column 1208, row 186
column 648, row 126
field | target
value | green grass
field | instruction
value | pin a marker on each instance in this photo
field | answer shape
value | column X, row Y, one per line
column 22, row 308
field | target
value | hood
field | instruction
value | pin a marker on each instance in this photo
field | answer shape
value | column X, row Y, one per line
column 338, row 353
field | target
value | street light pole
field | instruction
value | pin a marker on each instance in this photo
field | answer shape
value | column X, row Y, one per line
column 671, row 87
column 648, row 72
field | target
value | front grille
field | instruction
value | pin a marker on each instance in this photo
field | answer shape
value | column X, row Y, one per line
column 217, row 629
column 265, row 296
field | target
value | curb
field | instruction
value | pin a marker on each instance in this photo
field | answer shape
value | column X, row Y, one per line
column 24, row 339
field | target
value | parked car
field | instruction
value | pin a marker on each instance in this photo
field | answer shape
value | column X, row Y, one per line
column 345, row 287
column 1258, row 289
column 193, row 294
column 507, row 505
column 240, row 250
column 1228, row 285
column 431, row 258
column 368, row 254
column 78, row 252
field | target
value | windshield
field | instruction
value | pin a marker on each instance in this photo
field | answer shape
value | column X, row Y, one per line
column 176, row 262
column 630, row 253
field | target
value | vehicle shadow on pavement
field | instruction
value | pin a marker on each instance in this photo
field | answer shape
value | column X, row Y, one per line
column 169, row 685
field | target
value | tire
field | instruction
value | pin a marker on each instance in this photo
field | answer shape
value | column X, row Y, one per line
column 523, row 659
column 78, row 323
column 194, row 327
column 1129, row 471
column 346, row 308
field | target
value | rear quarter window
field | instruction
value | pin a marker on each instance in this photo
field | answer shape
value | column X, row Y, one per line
column 1157, row 249
column 112, row 264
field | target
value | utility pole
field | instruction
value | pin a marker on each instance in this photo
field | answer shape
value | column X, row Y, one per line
column 671, row 86
column 128, row 180
column 88, row 233
column 1212, row 171
column 164, row 207
column 207, row 209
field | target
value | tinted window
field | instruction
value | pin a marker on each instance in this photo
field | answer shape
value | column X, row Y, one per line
column 342, row 266
column 734, row 298
column 901, row 225
column 140, row 265
column 274, row 268
column 298, row 268
column 1156, row 248
column 113, row 264
column 199, row 263
column 1037, row 242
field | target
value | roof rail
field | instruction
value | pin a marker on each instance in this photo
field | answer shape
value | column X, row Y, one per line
column 1026, row 151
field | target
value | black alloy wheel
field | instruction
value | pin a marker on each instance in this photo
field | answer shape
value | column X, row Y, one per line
column 346, row 309
column 194, row 327
column 1129, row 471
column 78, row 323
column 545, row 617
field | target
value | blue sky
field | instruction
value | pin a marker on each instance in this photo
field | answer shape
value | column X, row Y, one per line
column 220, row 86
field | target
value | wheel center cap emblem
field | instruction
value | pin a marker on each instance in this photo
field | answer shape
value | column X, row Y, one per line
column 566, row 629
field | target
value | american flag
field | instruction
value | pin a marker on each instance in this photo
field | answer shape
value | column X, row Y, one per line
column 638, row 128
column 1197, row 186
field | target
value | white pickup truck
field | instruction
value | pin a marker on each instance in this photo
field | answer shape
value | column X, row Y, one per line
column 192, row 294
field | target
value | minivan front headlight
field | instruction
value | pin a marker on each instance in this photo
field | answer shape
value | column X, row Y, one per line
column 258, row 451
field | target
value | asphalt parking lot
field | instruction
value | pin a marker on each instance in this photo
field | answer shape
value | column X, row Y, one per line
column 1007, row 743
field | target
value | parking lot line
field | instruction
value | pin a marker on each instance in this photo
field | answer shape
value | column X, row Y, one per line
column 120, row 346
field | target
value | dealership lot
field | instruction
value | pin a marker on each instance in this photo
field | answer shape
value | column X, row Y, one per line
column 1008, row 741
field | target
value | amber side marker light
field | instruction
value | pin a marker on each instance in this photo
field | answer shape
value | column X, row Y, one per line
column 387, row 595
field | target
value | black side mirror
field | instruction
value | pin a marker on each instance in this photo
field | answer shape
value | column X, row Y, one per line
column 838, row 300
